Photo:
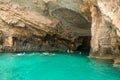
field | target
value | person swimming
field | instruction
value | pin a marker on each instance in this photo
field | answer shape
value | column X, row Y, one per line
column 45, row 53
column 69, row 51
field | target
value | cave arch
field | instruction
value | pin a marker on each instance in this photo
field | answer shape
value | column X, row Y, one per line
column 77, row 22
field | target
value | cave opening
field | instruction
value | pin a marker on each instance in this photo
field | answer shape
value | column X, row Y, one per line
column 85, row 45
column 75, row 23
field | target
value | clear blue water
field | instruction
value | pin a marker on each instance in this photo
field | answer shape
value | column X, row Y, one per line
column 55, row 66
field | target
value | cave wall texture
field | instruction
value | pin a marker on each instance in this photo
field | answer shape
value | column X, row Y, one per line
column 35, row 25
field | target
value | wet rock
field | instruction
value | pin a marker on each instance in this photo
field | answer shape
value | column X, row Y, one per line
column 117, row 61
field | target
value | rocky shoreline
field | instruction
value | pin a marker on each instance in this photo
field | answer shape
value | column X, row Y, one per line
column 61, row 25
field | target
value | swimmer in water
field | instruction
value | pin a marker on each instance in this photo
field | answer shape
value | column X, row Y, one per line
column 69, row 51
column 80, row 52
column 45, row 53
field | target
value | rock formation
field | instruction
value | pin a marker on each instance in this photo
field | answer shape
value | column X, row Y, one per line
column 101, row 32
column 105, row 42
column 35, row 25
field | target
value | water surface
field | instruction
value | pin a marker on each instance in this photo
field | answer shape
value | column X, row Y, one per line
column 55, row 66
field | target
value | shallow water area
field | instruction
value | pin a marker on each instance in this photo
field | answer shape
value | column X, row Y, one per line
column 55, row 66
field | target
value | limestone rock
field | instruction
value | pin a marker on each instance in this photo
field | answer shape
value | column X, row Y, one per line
column 61, row 25
column 35, row 25
column 8, row 42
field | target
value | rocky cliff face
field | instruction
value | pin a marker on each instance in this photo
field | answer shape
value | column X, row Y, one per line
column 35, row 25
column 105, row 42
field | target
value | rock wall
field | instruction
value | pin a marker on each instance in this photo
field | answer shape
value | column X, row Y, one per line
column 105, row 31
column 110, row 10
column 105, row 41
column 36, row 25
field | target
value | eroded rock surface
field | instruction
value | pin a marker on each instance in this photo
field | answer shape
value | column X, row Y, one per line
column 105, row 42
column 109, row 42
column 35, row 25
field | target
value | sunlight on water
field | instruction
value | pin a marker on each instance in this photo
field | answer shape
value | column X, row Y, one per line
column 55, row 66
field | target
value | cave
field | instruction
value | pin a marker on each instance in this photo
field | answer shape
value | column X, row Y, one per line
column 85, row 46
column 59, row 39
column 78, row 24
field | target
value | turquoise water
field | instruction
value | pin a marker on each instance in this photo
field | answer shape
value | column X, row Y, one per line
column 60, row 66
